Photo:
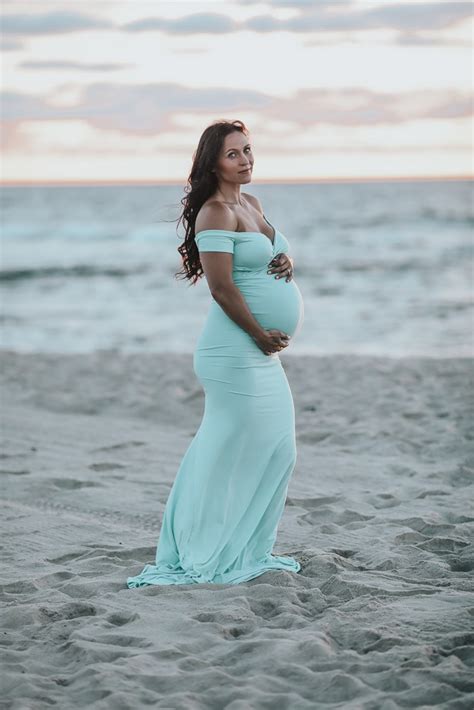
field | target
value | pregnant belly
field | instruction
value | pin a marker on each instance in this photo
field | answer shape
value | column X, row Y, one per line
column 273, row 302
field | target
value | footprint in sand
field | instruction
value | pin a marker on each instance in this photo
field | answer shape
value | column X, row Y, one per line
column 71, row 610
column 120, row 618
column 105, row 466
column 115, row 447
column 71, row 484
column 311, row 503
column 384, row 500
column 20, row 472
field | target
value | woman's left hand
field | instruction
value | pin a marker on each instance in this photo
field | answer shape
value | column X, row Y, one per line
column 281, row 265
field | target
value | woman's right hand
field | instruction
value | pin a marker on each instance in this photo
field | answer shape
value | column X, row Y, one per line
column 270, row 341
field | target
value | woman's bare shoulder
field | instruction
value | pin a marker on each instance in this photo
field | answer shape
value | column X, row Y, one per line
column 254, row 201
column 215, row 215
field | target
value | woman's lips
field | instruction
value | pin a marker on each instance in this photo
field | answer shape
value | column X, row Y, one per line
column 245, row 171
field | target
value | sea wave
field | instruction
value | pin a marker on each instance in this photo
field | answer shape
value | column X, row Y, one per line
column 80, row 271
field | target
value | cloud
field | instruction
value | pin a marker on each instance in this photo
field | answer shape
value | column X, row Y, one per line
column 358, row 107
column 320, row 16
column 323, row 16
column 301, row 4
column 63, row 65
column 46, row 23
column 13, row 140
column 19, row 107
column 454, row 108
column 207, row 22
column 397, row 16
column 412, row 39
column 10, row 45
column 420, row 16
column 150, row 109
column 142, row 110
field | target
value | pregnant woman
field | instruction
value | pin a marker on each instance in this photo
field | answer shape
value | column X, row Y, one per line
column 221, row 517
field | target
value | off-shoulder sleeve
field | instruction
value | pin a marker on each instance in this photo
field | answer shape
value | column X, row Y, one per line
column 215, row 240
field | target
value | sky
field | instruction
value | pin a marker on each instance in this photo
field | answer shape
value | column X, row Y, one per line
column 108, row 91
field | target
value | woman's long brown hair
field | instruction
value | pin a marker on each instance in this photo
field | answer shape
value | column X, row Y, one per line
column 201, row 185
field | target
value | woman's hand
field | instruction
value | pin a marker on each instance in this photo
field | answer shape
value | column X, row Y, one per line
column 272, row 341
column 281, row 265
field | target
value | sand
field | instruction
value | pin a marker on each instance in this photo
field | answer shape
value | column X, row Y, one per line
column 379, row 513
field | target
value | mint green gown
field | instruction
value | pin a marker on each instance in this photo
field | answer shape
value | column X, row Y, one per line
column 221, row 517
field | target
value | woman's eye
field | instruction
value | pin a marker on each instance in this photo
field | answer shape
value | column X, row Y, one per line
column 232, row 154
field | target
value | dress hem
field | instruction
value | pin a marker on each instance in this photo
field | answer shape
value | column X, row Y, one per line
column 166, row 575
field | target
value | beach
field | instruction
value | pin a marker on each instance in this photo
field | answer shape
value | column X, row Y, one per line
column 379, row 514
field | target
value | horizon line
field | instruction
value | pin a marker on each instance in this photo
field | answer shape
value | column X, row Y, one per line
column 273, row 181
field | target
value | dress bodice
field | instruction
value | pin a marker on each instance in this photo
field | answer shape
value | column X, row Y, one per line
column 252, row 250
column 275, row 303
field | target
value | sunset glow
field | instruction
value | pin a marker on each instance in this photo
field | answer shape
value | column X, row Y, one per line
column 121, row 91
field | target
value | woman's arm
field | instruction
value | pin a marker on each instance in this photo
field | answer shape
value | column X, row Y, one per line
column 232, row 302
column 217, row 267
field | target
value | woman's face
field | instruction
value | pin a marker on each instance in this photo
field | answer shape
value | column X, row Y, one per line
column 236, row 159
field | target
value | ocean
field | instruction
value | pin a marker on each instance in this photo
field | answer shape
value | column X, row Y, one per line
column 385, row 268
